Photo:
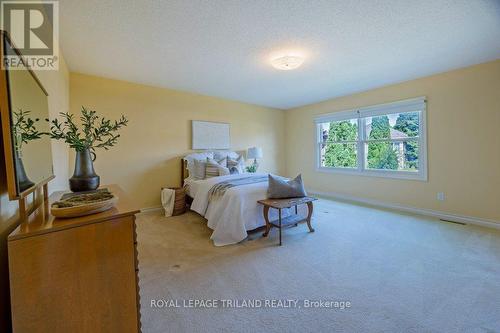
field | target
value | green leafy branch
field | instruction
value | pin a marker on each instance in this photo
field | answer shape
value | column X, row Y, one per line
column 96, row 131
column 24, row 129
column 252, row 168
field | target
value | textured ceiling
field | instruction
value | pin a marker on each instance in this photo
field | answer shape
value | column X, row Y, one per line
column 222, row 47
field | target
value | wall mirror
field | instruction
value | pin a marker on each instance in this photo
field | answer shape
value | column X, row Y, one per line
column 24, row 107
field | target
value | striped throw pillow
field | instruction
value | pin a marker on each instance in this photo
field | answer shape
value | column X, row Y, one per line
column 213, row 167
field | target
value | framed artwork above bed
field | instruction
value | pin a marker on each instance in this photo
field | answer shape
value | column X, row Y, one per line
column 210, row 135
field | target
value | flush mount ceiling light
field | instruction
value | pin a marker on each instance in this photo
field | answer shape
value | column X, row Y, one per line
column 288, row 62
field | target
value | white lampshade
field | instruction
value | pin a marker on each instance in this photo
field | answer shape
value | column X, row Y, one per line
column 254, row 152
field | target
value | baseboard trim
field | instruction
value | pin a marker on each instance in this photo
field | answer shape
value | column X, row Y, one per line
column 408, row 209
column 151, row 209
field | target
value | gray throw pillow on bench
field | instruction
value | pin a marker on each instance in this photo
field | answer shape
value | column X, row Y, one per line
column 280, row 188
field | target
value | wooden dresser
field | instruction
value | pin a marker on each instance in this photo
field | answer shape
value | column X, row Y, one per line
column 76, row 275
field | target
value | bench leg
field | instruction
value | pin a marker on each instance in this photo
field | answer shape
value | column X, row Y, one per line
column 309, row 215
column 268, row 224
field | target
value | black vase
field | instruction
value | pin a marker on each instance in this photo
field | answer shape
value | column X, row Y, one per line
column 23, row 181
column 84, row 178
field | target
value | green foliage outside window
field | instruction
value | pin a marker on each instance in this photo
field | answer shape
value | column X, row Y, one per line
column 381, row 155
column 408, row 123
column 341, row 154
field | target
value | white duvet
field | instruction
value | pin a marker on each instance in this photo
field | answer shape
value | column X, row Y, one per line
column 235, row 212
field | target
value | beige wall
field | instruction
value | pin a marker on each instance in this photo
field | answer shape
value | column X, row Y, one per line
column 463, row 116
column 57, row 85
column 463, row 141
column 148, row 154
column 463, row 126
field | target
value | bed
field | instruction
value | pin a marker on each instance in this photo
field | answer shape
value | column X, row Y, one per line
column 235, row 212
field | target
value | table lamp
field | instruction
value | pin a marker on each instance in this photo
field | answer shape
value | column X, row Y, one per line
column 255, row 153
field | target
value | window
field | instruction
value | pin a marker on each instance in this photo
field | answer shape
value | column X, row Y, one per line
column 382, row 140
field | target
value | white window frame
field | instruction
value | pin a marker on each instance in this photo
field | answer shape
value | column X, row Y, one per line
column 409, row 105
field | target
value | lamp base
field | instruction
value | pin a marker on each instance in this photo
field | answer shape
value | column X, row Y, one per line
column 255, row 165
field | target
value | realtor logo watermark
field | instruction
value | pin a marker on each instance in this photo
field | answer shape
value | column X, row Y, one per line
column 251, row 303
column 33, row 27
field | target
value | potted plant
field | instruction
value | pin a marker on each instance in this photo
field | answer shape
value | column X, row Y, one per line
column 95, row 132
column 24, row 131
column 252, row 168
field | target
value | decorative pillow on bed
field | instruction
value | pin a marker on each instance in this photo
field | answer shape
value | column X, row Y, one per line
column 224, row 171
column 236, row 166
column 198, row 169
column 280, row 187
column 213, row 167
column 198, row 156
column 220, row 154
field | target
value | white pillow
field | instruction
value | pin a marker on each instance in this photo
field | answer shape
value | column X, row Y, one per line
column 220, row 154
column 201, row 156
column 224, row 171
column 198, row 170
column 241, row 161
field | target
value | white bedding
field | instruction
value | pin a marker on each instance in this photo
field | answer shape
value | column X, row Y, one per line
column 235, row 212
column 191, row 186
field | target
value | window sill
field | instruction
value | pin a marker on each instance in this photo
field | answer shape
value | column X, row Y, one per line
column 420, row 176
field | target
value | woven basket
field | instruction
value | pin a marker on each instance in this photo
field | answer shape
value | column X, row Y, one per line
column 180, row 201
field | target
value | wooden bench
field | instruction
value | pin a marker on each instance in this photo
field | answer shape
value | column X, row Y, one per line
column 292, row 220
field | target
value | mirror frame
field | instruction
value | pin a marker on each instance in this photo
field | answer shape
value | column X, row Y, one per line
column 7, row 123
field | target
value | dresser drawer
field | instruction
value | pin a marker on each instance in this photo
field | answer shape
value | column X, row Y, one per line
column 81, row 279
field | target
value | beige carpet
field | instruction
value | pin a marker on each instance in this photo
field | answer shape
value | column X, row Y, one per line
column 401, row 273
